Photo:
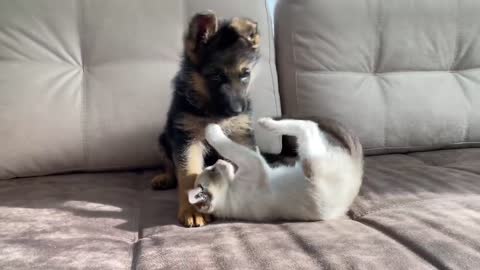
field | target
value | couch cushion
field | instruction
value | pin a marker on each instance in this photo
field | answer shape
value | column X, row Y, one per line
column 87, row 87
column 426, row 201
column 392, row 181
column 417, row 211
column 402, row 74
column 340, row 244
column 79, row 221
column 443, row 232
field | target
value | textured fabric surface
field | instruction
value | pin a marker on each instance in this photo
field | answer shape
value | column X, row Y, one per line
column 395, row 180
column 340, row 244
column 403, row 74
column 87, row 87
column 417, row 211
column 79, row 221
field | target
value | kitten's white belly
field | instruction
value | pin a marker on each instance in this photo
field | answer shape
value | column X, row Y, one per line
column 291, row 196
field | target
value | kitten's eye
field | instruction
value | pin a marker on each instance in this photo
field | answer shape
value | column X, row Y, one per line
column 215, row 74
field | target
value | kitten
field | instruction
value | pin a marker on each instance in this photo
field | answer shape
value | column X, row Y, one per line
column 322, row 185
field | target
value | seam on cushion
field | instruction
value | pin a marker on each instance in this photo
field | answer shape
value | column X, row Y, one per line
column 391, row 206
column 375, row 70
column 385, row 73
column 457, row 40
column 423, row 161
column 456, row 59
column 271, row 39
column 135, row 245
column 461, row 170
column 76, row 170
column 467, row 117
column 4, row 61
column 410, row 245
column 412, row 202
column 385, row 108
column 84, row 85
column 294, row 55
column 379, row 35
column 412, row 147
column 134, row 253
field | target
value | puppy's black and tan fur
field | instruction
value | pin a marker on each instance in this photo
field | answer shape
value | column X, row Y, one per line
column 211, row 87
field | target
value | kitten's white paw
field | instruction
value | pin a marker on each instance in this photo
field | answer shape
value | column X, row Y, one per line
column 213, row 132
column 268, row 124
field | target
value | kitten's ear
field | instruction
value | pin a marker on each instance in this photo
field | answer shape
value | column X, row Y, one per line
column 226, row 169
column 200, row 29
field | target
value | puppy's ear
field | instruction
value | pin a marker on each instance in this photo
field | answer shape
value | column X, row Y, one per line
column 200, row 29
column 247, row 29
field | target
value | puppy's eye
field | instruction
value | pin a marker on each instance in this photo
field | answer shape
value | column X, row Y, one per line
column 245, row 75
column 216, row 77
column 215, row 74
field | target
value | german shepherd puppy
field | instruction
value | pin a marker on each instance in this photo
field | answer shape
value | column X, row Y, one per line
column 211, row 87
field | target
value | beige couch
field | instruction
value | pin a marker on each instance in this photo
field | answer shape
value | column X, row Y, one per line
column 84, row 87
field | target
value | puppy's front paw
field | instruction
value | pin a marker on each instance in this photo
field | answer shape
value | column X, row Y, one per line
column 190, row 217
column 213, row 132
column 268, row 124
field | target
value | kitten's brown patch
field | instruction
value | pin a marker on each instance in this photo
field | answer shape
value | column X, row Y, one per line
column 307, row 168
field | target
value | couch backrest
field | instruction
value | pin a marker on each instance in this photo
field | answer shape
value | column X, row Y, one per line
column 403, row 74
column 85, row 85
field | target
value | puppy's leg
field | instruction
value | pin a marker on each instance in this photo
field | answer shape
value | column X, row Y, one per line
column 166, row 179
column 188, row 166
